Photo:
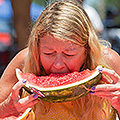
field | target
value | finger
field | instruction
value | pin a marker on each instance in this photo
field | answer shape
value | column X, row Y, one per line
column 112, row 74
column 26, row 102
column 107, row 94
column 22, row 107
column 18, row 86
column 106, row 79
column 28, row 99
column 113, row 99
column 32, row 103
column 106, row 87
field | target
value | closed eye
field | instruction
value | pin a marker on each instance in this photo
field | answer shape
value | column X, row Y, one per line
column 49, row 53
column 68, row 55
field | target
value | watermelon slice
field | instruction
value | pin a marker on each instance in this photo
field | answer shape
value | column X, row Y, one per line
column 60, row 87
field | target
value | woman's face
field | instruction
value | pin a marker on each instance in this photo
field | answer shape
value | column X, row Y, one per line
column 60, row 57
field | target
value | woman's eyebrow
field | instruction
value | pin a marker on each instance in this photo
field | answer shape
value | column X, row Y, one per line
column 45, row 47
column 70, row 49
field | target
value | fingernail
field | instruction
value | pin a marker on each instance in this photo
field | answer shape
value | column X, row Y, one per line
column 24, row 81
column 93, row 88
column 91, row 92
column 100, row 69
column 35, row 96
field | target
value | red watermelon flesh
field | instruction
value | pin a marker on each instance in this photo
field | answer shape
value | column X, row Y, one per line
column 60, row 87
column 55, row 80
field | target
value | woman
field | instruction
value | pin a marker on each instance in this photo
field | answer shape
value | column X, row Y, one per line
column 63, row 40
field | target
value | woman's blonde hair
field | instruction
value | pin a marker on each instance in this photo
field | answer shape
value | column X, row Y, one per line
column 67, row 20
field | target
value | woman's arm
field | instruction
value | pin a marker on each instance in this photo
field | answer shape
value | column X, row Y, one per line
column 10, row 101
column 111, row 90
column 8, row 78
column 112, row 58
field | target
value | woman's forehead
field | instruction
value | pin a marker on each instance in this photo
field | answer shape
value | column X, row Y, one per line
column 49, row 41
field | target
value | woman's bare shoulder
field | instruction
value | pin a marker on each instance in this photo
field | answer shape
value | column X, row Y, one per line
column 112, row 58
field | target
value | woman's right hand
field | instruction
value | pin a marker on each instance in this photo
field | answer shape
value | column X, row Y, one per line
column 14, row 105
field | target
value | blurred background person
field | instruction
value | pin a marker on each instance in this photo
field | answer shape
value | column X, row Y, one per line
column 16, row 19
column 22, row 21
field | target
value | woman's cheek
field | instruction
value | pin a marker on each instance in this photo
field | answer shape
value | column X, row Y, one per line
column 46, row 63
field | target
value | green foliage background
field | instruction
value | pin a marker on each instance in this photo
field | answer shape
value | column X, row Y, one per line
column 115, row 3
column 43, row 2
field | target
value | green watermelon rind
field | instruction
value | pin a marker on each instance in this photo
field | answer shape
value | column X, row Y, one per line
column 69, row 93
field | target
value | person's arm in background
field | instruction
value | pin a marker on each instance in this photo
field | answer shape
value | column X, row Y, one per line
column 22, row 21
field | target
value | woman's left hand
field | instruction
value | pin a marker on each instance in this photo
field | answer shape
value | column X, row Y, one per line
column 110, row 90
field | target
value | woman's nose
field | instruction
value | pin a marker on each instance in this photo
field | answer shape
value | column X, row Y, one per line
column 58, row 63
